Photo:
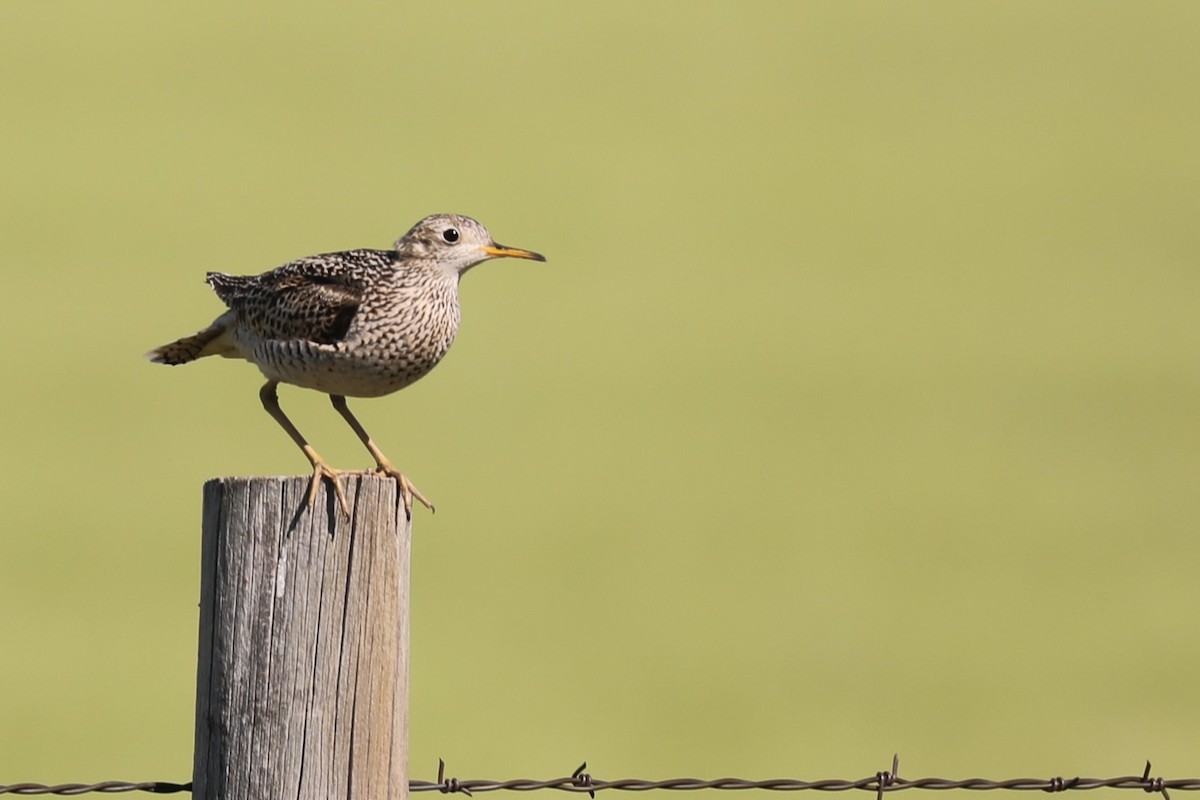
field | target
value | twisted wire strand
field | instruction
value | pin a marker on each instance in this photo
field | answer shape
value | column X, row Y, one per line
column 581, row 782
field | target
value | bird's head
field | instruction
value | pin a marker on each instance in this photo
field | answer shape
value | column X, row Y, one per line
column 455, row 243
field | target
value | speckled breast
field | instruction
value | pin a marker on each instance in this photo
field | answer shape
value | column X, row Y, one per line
column 392, row 343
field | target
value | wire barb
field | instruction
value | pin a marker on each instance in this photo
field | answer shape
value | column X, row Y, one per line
column 449, row 785
column 1154, row 785
column 885, row 779
column 582, row 780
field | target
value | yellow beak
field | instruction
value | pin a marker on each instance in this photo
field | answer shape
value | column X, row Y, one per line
column 500, row 251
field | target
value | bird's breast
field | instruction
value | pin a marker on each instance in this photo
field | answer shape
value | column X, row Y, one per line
column 394, row 340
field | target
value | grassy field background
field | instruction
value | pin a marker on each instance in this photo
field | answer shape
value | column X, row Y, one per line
column 857, row 409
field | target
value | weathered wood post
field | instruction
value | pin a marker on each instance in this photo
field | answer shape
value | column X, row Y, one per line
column 303, row 676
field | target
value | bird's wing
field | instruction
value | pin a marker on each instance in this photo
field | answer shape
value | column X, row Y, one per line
column 313, row 299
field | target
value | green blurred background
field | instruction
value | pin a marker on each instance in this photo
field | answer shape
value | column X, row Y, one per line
column 856, row 410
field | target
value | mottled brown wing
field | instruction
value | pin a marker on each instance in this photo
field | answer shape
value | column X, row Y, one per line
column 293, row 303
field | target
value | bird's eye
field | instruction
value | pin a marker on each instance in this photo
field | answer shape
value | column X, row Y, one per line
column 450, row 235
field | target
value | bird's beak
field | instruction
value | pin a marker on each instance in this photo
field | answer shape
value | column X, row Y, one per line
column 500, row 251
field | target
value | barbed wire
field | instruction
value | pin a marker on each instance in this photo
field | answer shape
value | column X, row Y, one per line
column 582, row 782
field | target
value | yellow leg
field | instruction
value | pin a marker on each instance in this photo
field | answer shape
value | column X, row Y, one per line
column 385, row 467
column 270, row 401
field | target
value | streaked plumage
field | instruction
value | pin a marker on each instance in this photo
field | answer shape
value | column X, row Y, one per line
column 359, row 323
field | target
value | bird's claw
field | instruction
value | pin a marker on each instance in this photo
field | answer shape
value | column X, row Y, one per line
column 407, row 490
column 323, row 470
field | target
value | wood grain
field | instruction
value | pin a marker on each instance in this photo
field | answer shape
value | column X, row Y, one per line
column 302, row 685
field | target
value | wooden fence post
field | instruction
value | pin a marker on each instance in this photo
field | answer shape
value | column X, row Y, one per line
column 302, row 687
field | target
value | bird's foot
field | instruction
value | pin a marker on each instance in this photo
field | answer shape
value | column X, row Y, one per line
column 323, row 470
column 407, row 490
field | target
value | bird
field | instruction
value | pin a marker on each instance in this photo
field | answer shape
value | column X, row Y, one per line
column 357, row 323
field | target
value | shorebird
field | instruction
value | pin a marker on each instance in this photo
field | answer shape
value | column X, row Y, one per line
column 360, row 323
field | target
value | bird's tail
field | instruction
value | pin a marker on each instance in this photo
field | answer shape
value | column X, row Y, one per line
column 212, row 341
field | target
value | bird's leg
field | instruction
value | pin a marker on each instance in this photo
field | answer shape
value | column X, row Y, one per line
column 270, row 401
column 407, row 490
